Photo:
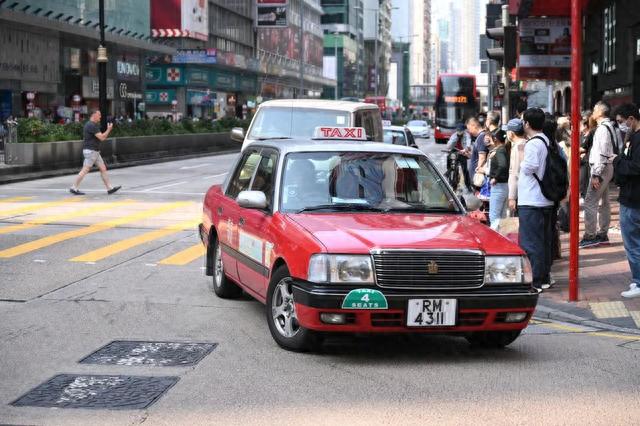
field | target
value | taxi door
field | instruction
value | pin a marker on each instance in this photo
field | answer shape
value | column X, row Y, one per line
column 254, row 228
column 229, row 213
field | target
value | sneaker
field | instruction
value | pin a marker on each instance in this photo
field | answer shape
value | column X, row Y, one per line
column 113, row 190
column 604, row 239
column 545, row 286
column 589, row 242
column 634, row 291
column 75, row 191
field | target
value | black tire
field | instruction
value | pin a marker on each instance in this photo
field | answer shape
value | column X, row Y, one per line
column 492, row 339
column 221, row 285
column 301, row 339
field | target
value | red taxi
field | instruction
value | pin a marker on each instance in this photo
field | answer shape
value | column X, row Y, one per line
column 341, row 235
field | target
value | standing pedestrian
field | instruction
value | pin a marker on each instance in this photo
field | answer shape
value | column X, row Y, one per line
column 499, row 177
column 534, row 209
column 597, row 209
column 515, row 134
column 627, row 176
column 91, row 151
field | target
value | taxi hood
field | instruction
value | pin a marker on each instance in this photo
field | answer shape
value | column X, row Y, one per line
column 362, row 232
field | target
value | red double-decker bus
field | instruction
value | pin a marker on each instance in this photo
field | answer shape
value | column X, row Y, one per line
column 456, row 101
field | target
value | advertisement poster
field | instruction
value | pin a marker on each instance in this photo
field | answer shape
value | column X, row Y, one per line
column 195, row 56
column 180, row 18
column 272, row 16
column 195, row 18
column 545, row 49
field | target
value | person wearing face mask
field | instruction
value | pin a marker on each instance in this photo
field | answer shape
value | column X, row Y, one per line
column 516, row 136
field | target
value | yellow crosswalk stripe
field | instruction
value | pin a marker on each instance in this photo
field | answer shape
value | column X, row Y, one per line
column 63, row 216
column 123, row 245
column 15, row 199
column 39, row 206
column 185, row 256
column 92, row 229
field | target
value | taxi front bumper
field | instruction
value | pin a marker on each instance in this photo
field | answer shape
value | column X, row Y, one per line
column 484, row 310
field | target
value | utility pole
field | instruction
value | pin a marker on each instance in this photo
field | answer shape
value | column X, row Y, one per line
column 506, row 80
column 301, row 94
column 375, row 51
column 102, row 70
column 335, row 53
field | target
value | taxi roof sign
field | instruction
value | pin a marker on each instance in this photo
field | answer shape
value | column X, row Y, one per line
column 340, row 133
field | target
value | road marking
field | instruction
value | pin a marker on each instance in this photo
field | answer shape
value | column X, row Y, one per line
column 163, row 186
column 213, row 176
column 122, row 191
column 197, row 166
column 39, row 206
column 615, row 335
column 92, row 229
column 185, row 256
column 609, row 309
column 120, row 246
column 64, row 216
column 636, row 317
column 15, row 199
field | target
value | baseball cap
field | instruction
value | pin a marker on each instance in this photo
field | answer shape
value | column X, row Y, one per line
column 515, row 125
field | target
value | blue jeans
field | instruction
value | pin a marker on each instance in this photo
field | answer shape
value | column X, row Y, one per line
column 630, row 228
column 498, row 203
column 536, row 239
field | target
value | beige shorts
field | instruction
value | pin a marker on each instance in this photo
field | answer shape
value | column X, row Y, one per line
column 92, row 158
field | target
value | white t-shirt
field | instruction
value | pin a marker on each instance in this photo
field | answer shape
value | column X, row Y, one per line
column 534, row 161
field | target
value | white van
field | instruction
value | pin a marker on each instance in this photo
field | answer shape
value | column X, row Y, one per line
column 298, row 118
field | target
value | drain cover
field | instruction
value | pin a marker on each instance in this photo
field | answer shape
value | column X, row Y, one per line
column 165, row 354
column 94, row 391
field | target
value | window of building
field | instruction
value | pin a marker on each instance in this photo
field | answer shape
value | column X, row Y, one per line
column 609, row 39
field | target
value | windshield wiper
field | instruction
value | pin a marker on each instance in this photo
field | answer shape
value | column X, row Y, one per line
column 341, row 206
column 272, row 138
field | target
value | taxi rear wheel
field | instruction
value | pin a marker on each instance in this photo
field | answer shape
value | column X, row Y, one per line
column 222, row 286
column 281, row 315
column 492, row 339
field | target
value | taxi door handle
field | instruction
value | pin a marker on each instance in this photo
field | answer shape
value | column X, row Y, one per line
column 241, row 221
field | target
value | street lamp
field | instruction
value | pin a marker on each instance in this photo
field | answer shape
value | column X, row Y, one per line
column 102, row 70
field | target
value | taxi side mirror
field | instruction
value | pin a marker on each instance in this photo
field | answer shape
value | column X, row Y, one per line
column 252, row 200
column 237, row 134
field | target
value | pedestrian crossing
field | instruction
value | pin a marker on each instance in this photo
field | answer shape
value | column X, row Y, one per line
column 39, row 222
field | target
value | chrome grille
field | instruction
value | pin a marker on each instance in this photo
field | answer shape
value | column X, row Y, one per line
column 410, row 269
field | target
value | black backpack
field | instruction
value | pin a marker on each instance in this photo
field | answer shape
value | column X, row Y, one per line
column 555, row 182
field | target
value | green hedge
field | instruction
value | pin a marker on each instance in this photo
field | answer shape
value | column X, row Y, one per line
column 35, row 130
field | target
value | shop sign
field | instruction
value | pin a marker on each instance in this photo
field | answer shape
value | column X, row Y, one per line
column 247, row 84
column 91, row 88
column 225, row 81
column 165, row 75
column 128, row 69
column 271, row 16
column 159, row 96
column 200, row 97
column 125, row 92
column 196, row 76
column 195, row 56
column 545, row 48
column 153, row 75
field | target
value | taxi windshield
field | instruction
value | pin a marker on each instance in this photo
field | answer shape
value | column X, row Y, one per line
column 395, row 137
column 363, row 181
column 278, row 122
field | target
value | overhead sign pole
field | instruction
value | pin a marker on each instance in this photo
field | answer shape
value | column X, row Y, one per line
column 576, row 92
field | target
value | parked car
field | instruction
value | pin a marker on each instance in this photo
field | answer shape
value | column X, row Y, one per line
column 298, row 118
column 399, row 135
column 340, row 235
column 419, row 128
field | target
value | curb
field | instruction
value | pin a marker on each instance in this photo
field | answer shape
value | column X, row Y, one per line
column 546, row 312
column 41, row 174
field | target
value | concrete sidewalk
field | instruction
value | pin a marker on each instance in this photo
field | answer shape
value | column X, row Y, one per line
column 604, row 273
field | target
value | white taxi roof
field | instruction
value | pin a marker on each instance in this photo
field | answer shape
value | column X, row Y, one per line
column 346, row 106
column 287, row 146
column 395, row 128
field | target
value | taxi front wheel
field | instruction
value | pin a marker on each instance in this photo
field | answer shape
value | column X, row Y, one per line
column 222, row 286
column 281, row 315
column 492, row 339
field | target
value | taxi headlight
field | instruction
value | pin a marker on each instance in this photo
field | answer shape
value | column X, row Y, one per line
column 325, row 268
column 507, row 269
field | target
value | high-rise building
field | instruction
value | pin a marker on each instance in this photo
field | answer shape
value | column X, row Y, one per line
column 412, row 24
column 342, row 24
column 377, row 39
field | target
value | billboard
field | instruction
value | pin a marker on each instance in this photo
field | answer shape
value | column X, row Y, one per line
column 195, row 56
column 272, row 16
column 180, row 18
column 544, row 49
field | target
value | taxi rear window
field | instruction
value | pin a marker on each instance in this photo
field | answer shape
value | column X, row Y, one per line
column 276, row 122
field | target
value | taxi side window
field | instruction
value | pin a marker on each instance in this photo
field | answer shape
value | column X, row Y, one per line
column 243, row 174
column 264, row 178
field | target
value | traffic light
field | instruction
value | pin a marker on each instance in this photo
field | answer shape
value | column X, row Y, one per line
column 507, row 37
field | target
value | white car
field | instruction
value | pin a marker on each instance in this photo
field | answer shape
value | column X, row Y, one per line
column 399, row 135
column 419, row 128
column 298, row 118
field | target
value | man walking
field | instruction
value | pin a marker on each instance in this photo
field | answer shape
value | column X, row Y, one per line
column 534, row 209
column 627, row 175
column 461, row 141
column 91, row 151
column 605, row 142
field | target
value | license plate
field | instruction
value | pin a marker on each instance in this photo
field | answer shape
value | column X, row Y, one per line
column 431, row 312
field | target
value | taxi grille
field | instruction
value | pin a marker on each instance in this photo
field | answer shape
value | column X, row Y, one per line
column 427, row 270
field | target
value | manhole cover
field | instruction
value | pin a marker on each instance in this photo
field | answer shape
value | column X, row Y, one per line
column 94, row 391
column 165, row 354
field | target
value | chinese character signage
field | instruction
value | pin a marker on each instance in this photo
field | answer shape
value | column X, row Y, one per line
column 545, row 49
column 195, row 56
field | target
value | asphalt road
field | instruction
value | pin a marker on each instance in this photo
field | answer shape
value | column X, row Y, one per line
column 78, row 273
